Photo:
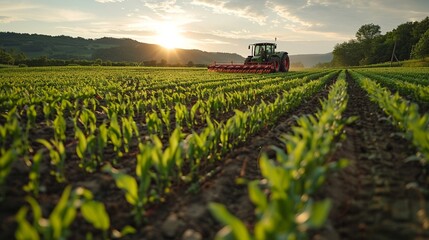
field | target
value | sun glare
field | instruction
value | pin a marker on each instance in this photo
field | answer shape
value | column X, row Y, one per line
column 170, row 36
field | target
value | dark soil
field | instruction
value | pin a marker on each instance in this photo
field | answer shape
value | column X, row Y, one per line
column 376, row 196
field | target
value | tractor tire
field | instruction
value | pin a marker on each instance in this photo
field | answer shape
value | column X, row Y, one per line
column 248, row 60
column 276, row 62
column 285, row 63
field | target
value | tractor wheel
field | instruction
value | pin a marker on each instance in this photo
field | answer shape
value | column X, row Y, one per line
column 276, row 62
column 248, row 60
column 285, row 63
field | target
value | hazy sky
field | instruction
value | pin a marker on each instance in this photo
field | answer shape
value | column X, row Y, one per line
column 300, row 26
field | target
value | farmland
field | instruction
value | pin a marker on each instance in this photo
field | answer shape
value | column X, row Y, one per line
column 178, row 153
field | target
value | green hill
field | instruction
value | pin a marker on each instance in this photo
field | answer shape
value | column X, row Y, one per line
column 113, row 49
column 309, row 60
column 122, row 50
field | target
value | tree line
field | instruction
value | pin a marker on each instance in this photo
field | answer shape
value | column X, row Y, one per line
column 408, row 41
column 12, row 57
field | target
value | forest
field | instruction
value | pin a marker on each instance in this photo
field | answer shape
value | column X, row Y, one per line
column 409, row 40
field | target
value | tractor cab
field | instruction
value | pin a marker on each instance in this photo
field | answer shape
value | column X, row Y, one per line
column 260, row 49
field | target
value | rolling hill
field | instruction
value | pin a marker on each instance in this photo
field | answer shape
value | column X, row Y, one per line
column 122, row 50
column 309, row 60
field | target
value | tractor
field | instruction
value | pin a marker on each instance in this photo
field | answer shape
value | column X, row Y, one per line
column 264, row 59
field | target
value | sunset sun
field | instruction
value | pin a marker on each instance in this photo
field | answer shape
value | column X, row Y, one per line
column 170, row 36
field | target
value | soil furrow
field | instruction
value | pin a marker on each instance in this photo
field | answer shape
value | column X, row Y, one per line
column 374, row 197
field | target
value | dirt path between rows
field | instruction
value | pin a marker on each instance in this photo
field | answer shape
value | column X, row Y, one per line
column 375, row 197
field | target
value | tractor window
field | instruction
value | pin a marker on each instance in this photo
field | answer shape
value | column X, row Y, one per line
column 258, row 50
column 270, row 49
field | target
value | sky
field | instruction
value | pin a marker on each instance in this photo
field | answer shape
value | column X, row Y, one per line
column 299, row 26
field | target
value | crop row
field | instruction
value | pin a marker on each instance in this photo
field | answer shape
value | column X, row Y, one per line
column 414, row 75
column 16, row 91
column 409, row 87
column 284, row 205
column 404, row 114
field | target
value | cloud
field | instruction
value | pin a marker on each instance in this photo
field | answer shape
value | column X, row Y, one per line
column 284, row 12
column 250, row 10
column 6, row 19
column 109, row 1
column 20, row 12
column 239, row 34
column 168, row 6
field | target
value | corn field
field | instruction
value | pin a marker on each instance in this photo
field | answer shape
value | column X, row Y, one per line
column 183, row 153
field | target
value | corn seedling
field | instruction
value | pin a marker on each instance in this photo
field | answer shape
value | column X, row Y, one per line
column 57, row 153
column 115, row 135
column 57, row 225
column 6, row 160
column 34, row 175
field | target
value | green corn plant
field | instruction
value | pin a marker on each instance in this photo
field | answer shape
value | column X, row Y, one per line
column 200, row 147
column 213, row 131
column 86, row 149
column 129, row 127
column 165, row 116
column 110, row 110
column 57, row 153
column 139, row 106
column 59, row 125
column 193, row 112
column 65, row 105
column 154, row 124
column 11, row 133
column 181, row 114
column 57, row 225
column 101, row 142
column 224, row 140
column 82, row 144
column 178, row 97
column 6, row 160
column 136, row 193
column 34, row 175
column 236, row 228
column 125, row 109
column 95, row 213
column 115, row 134
column 91, row 103
column 204, row 110
column 88, row 120
column 31, row 120
column 165, row 161
column 47, row 111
